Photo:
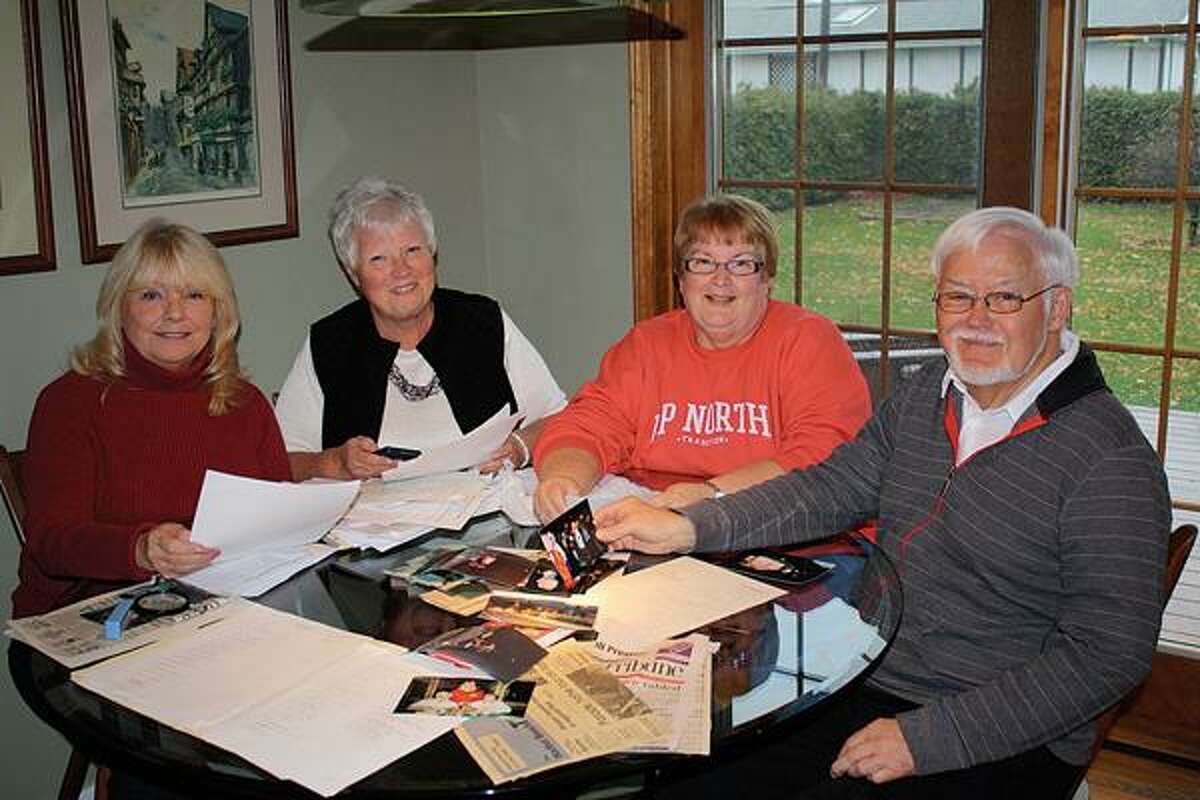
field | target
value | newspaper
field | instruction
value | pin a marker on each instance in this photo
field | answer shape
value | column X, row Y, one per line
column 578, row 711
column 74, row 636
column 674, row 679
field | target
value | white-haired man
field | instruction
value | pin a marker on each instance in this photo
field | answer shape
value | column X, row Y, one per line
column 1027, row 517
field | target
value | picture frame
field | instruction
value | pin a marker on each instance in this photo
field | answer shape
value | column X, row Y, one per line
column 180, row 109
column 26, row 219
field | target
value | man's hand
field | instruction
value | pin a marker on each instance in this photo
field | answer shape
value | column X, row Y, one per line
column 877, row 752
column 634, row 525
column 168, row 549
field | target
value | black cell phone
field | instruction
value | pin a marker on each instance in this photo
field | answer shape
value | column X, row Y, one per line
column 398, row 453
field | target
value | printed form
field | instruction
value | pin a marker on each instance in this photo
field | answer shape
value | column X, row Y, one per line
column 303, row 701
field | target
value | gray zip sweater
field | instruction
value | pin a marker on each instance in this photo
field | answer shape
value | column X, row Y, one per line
column 1032, row 573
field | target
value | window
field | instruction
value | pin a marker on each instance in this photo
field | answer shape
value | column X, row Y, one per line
column 1134, row 205
column 864, row 163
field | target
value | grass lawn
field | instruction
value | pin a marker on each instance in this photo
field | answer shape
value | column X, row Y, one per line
column 1124, row 252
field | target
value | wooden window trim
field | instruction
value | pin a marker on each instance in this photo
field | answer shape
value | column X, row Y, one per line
column 669, row 147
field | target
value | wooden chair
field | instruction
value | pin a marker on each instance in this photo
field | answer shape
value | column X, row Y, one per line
column 1179, row 546
column 12, row 490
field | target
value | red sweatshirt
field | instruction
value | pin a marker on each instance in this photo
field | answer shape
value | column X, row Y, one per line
column 662, row 404
column 107, row 462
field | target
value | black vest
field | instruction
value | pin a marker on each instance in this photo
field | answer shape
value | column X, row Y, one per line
column 465, row 347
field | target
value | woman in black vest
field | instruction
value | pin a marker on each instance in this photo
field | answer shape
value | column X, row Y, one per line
column 408, row 364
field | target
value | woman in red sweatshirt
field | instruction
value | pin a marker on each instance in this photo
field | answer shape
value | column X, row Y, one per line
column 732, row 390
column 118, row 446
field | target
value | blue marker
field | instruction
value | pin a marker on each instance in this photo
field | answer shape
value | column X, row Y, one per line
column 114, row 624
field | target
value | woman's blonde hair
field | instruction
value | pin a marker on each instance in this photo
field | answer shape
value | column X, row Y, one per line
column 177, row 256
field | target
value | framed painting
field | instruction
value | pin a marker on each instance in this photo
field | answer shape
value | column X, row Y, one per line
column 26, row 224
column 180, row 109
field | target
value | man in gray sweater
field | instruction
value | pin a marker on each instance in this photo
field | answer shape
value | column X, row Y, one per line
column 1026, row 515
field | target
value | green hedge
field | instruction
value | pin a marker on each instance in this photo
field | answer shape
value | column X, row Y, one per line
column 1128, row 138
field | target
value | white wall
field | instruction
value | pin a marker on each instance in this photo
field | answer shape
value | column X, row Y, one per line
column 522, row 157
column 557, row 197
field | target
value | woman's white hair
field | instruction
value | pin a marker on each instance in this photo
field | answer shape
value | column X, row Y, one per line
column 372, row 202
column 1052, row 249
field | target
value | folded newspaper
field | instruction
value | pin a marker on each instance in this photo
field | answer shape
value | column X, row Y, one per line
column 75, row 635
column 675, row 680
column 579, row 710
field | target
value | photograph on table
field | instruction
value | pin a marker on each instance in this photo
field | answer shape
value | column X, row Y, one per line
column 455, row 697
column 539, row 612
column 496, row 649
column 781, row 569
column 496, row 567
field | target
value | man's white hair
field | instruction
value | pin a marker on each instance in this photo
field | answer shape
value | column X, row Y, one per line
column 1052, row 249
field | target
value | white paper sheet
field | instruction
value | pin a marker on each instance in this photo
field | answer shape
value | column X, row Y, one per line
column 265, row 530
column 301, row 700
column 472, row 449
column 637, row 611
column 515, row 494
column 255, row 572
column 444, row 500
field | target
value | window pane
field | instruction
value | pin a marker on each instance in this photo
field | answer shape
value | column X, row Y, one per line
column 939, row 15
column 1124, row 260
column 917, row 222
column 842, row 249
column 782, row 205
column 1187, row 315
column 759, row 120
column 1183, row 431
column 937, row 113
column 844, row 113
column 1194, row 156
column 844, row 19
column 1122, row 12
column 905, row 357
column 1129, row 134
column 1136, row 381
column 756, row 19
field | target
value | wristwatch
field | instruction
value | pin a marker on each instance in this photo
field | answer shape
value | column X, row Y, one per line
column 718, row 492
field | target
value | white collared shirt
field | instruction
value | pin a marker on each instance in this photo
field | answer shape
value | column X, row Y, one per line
column 981, row 427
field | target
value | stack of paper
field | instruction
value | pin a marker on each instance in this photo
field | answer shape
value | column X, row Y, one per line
column 267, row 531
column 301, row 700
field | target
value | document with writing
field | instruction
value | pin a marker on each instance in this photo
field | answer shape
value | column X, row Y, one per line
column 472, row 449
column 320, row 715
column 445, row 500
column 684, row 594
column 266, row 530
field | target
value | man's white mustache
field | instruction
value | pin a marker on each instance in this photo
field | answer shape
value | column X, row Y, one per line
column 976, row 337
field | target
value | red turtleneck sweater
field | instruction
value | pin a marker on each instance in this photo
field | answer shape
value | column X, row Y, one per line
column 108, row 461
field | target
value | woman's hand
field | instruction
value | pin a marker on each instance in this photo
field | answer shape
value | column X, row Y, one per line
column 168, row 549
column 355, row 459
column 514, row 451
column 678, row 495
column 634, row 525
column 555, row 493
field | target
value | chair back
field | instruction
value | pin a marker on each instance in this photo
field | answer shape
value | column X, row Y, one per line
column 1179, row 546
column 12, row 489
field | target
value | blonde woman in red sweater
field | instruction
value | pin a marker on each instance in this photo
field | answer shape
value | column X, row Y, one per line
column 118, row 446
